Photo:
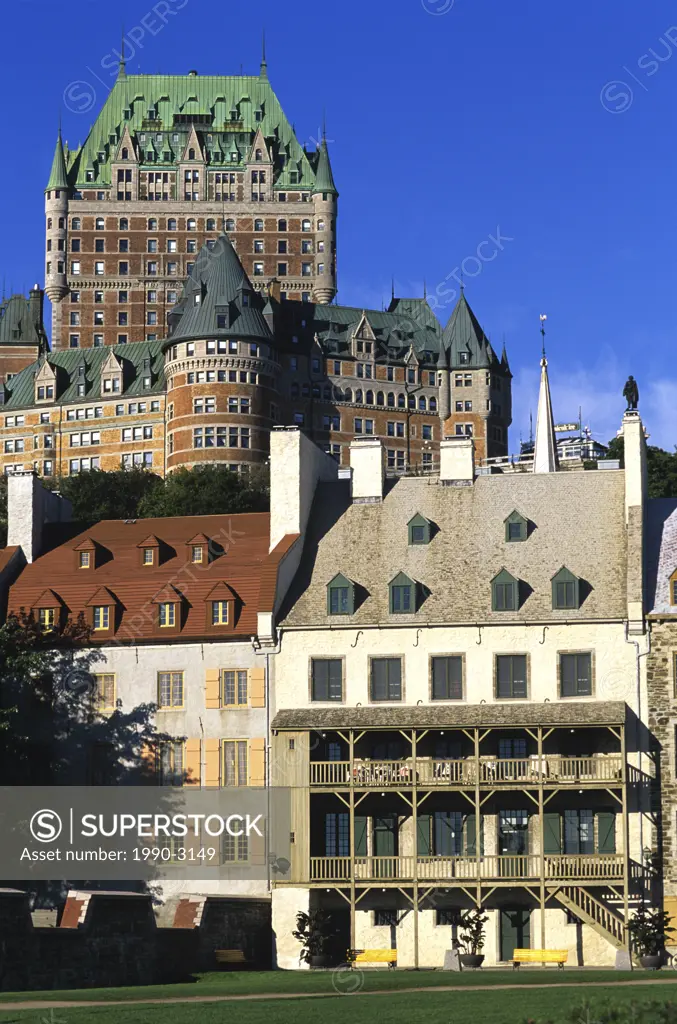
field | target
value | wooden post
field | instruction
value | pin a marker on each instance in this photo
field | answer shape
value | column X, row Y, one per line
column 541, row 777
column 626, row 837
column 414, row 804
column 351, row 795
column 478, row 821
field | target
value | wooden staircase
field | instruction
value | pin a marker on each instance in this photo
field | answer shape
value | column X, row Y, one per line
column 603, row 920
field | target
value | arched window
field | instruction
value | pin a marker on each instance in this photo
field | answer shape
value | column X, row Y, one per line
column 370, row 397
column 211, row 224
column 191, row 224
column 379, row 398
column 400, row 401
column 422, row 404
column 191, row 154
column 230, row 224
column 412, row 401
column 99, row 224
column 258, row 156
column 358, row 396
column 348, row 395
column 171, row 224
column 305, row 225
column 125, row 153
column 391, row 399
column 281, row 225
column 433, row 405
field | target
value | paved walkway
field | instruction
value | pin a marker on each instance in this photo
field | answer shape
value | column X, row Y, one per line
column 65, row 1004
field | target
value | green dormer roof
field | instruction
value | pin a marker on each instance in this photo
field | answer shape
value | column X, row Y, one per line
column 58, row 177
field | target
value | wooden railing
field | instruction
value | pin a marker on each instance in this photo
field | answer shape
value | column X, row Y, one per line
column 574, row 867
column 551, row 769
column 605, row 917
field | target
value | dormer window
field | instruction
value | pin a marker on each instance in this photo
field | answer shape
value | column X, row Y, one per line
column 258, row 156
column 125, row 154
column 101, row 617
column 167, row 614
column 504, row 592
column 402, row 595
column 197, row 554
column 47, row 618
column 419, row 530
column 219, row 613
column 148, row 556
column 85, row 559
column 340, row 596
column 516, row 528
column 565, row 589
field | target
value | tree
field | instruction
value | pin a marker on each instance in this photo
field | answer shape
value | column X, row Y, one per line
column 101, row 495
column 661, row 468
column 205, row 490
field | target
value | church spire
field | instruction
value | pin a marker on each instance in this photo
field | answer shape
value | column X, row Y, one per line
column 545, row 449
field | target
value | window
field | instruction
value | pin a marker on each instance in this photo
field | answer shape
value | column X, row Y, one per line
column 511, row 676
column 197, row 553
column 386, row 679
column 101, row 617
column 167, row 614
column 575, row 674
column 340, row 596
column 418, row 527
column 565, row 589
column 385, row 919
column 46, row 617
column 85, row 559
column 170, row 689
column 234, row 688
column 105, row 691
column 171, row 763
column 516, row 528
column 504, row 592
column 327, row 679
column 219, row 613
column 148, row 556
column 447, row 677
column 235, row 763
column 402, row 595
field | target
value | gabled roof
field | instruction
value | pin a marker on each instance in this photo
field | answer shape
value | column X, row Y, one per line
column 102, row 596
column 463, row 334
column 218, row 285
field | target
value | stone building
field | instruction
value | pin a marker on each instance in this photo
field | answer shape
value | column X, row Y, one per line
column 233, row 363
column 169, row 162
column 460, row 705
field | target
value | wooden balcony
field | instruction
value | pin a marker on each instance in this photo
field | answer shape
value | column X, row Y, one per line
column 552, row 770
column 492, row 868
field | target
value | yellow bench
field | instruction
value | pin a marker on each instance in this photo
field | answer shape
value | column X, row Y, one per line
column 540, row 956
column 373, row 956
column 232, row 957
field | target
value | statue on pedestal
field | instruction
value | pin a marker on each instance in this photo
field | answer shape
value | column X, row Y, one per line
column 631, row 394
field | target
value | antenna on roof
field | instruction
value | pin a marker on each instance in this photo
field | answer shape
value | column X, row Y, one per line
column 393, row 289
column 425, row 290
column 264, row 63
column 122, row 66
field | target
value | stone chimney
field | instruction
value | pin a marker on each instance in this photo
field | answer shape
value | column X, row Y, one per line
column 29, row 507
column 457, row 460
column 36, row 298
column 634, row 444
column 367, row 461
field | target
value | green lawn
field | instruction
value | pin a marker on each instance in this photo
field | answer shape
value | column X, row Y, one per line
column 280, row 982
column 506, row 1007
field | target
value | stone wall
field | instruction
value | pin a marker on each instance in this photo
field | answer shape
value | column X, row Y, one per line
column 662, row 724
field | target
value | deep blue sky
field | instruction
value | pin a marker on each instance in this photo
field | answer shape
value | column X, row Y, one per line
column 448, row 120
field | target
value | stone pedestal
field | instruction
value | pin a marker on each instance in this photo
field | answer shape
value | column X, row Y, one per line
column 451, row 960
column 623, row 960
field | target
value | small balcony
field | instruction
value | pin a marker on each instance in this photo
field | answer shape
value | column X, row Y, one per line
column 552, row 770
column 498, row 868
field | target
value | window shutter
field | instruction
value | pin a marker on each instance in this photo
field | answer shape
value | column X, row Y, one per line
column 192, row 763
column 394, row 679
column 606, row 832
column 257, row 846
column 552, row 833
column 423, row 847
column 335, row 680
column 470, row 835
column 149, row 761
column 360, row 826
column 213, row 762
column 568, row 674
column 257, row 687
column 213, row 688
column 378, row 679
column 257, row 762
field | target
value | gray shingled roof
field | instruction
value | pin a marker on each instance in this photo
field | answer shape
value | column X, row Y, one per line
column 577, row 520
column 433, row 716
column 661, row 554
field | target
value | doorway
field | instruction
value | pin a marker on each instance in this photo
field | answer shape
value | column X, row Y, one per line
column 515, row 931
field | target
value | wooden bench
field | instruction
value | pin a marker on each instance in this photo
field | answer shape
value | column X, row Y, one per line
column 231, row 958
column 373, row 956
column 540, row 956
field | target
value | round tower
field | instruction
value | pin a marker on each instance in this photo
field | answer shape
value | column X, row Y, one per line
column 221, row 368
column 56, row 237
column 325, row 202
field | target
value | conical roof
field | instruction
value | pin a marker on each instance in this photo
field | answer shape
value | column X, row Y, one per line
column 219, row 288
column 465, row 340
column 545, row 448
column 58, row 177
column 324, row 178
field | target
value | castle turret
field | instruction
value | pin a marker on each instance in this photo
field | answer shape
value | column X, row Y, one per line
column 325, row 200
column 56, row 213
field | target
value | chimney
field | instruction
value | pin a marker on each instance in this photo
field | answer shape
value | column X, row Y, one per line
column 29, row 507
column 36, row 299
column 634, row 445
column 297, row 465
column 367, row 462
column 457, row 461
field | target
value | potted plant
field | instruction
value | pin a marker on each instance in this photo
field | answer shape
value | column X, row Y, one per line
column 649, row 929
column 471, row 924
column 317, row 933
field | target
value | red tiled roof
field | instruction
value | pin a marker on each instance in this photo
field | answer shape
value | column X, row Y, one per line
column 242, row 562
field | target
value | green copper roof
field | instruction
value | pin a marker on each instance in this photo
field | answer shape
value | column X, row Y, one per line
column 17, row 326
column 20, row 390
column 234, row 107
column 466, row 341
column 324, row 179
column 218, row 287
column 58, row 177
